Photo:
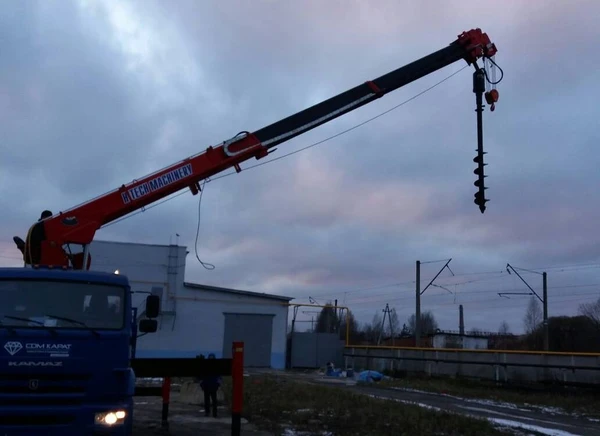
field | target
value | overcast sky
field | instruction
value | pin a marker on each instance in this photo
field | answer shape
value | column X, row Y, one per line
column 94, row 94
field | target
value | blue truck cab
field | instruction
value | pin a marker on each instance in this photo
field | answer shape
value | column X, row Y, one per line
column 66, row 343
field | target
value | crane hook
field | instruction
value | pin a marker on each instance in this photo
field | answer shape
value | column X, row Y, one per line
column 491, row 97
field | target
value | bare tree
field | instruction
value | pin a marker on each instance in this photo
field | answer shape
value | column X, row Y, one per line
column 348, row 319
column 591, row 311
column 393, row 327
column 377, row 322
column 428, row 323
column 533, row 315
column 327, row 320
column 372, row 329
column 504, row 329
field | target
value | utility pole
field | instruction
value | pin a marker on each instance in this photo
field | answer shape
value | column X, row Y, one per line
column 546, row 326
column 418, row 297
column 543, row 300
column 387, row 311
column 337, row 317
column 418, row 308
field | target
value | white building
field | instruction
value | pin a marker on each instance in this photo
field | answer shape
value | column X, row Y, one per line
column 465, row 342
column 196, row 319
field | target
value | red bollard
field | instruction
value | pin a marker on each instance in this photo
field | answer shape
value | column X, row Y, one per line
column 237, row 376
column 166, row 397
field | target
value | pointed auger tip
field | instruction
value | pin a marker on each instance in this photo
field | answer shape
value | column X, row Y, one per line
column 482, row 209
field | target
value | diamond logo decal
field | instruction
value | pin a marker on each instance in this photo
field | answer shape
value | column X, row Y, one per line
column 13, row 347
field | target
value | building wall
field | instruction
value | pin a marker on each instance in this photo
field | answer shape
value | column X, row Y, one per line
column 192, row 320
column 145, row 265
column 471, row 343
column 198, row 326
column 457, row 341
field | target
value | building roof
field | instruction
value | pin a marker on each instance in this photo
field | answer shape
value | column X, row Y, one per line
column 236, row 291
column 464, row 335
column 60, row 274
column 143, row 244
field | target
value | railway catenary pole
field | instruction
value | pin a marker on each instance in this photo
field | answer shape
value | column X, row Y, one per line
column 418, row 307
column 546, row 326
column 419, row 293
column 543, row 299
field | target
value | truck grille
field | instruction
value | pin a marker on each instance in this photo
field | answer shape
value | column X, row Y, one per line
column 36, row 420
column 41, row 389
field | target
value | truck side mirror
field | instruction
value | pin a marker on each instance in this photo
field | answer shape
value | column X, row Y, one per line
column 148, row 325
column 152, row 306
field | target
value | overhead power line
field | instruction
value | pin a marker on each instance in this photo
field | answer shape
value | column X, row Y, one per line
column 493, row 294
column 484, row 304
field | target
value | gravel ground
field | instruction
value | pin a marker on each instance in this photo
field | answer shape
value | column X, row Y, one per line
column 184, row 419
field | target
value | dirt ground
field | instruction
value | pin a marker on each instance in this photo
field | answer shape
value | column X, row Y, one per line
column 184, row 419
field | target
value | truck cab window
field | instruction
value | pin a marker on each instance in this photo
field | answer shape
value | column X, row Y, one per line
column 79, row 305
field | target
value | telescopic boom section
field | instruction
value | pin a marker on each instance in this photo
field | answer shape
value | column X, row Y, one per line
column 79, row 224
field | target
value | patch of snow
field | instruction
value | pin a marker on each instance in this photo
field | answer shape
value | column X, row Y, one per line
column 520, row 425
column 493, row 403
column 150, row 379
column 413, row 403
column 494, row 412
column 338, row 380
column 592, row 419
column 548, row 409
column 489, row 411
column 423, row 405
column 293, row 432
column 500, row 404
column 417, row 391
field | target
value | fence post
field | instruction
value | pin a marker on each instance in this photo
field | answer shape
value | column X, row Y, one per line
column 237, row 376
column 166, row 396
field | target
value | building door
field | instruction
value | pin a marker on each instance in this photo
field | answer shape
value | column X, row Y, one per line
column 255, row 331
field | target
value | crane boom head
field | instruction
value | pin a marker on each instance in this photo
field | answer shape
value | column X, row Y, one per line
column 49, row 241
column 477, row 45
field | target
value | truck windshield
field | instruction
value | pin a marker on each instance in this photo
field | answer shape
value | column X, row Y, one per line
column 60, row 304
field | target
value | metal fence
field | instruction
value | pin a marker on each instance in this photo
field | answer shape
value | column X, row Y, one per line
column 314, row 350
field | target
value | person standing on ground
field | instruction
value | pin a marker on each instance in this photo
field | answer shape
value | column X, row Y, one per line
column 210, row 385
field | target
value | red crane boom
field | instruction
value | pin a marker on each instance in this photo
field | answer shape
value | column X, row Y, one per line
column 49, row 240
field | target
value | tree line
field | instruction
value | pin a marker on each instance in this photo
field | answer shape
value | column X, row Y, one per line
column 579, row 333
column 330, row 320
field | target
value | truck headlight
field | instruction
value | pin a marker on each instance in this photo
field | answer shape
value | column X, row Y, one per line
column 113, row 417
